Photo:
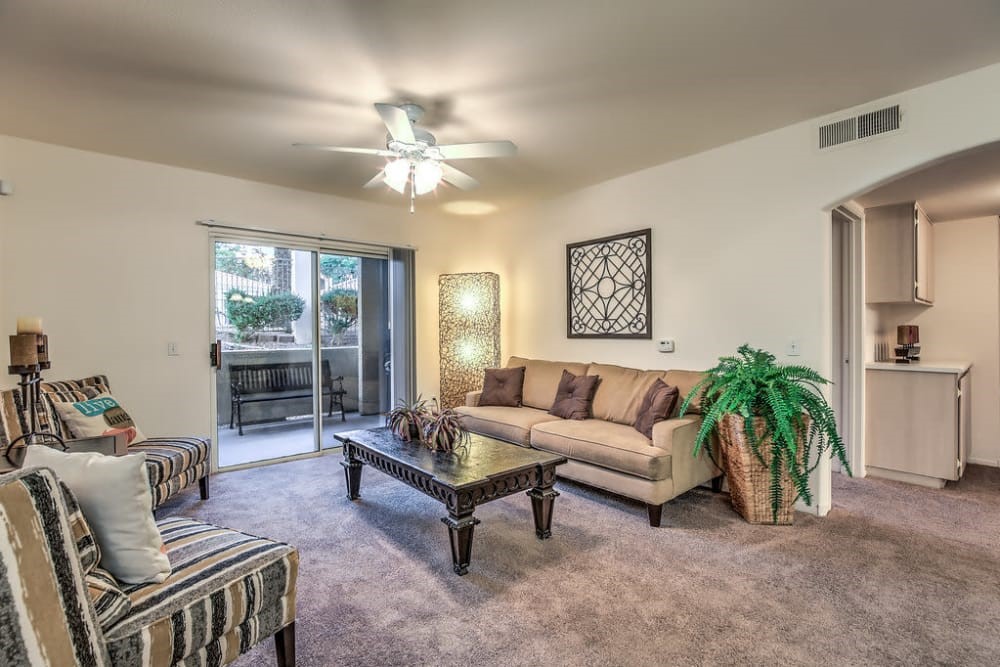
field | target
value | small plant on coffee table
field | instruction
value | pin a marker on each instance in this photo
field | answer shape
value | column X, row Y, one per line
column 408, row 419
column 444, row 432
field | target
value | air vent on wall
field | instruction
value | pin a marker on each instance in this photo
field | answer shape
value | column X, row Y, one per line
column 862, row 126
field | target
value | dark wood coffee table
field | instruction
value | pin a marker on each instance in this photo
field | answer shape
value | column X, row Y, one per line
column 486, row 470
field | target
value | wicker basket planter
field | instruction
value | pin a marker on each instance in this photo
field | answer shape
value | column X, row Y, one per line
column 749, row 479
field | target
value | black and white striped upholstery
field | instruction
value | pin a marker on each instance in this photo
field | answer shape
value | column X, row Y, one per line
column 173, row 463
column 227, row 591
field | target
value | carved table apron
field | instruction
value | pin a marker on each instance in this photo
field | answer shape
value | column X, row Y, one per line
column 488, row 469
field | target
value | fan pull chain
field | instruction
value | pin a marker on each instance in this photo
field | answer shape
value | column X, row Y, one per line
column 413, row 193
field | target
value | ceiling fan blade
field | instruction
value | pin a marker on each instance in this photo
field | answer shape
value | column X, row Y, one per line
column 348, row 149
column 459, row 179
column 397, row 121
column 477, row 150
column 375, row 182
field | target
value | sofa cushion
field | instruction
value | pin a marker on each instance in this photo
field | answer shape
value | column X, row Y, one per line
column 222, row 580
column 109, row 600
column 541, row 379
column 99, row 382
column 86, row 542
column 575, row 396
column 503, row 386
column 614, row 446
column 97, row 416
column 685, row 382
column 621, row 392
column 508, row 424
column 114, row 494
column 167, row 458
column 656, row 406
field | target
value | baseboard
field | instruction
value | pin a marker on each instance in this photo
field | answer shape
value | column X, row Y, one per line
column 817, row 509
column 993, row 463
column 909, row 478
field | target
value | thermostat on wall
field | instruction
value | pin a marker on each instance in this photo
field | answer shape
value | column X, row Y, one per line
column 665, row 345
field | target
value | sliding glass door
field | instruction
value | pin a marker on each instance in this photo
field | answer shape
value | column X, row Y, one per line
column 303, row 335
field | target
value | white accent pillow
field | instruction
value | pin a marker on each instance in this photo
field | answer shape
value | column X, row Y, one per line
column 114, row 495
column 101, row 415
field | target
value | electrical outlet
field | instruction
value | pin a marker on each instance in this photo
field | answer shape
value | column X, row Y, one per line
column 793, row 349
column 172, row 350
column 665, row 345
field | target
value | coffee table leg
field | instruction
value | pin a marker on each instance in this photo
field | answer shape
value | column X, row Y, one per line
column 352, row 470
column 542, row 498
column 460, row 530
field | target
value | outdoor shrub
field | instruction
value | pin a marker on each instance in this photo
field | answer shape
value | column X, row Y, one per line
column 340, row 309
column 271, row 311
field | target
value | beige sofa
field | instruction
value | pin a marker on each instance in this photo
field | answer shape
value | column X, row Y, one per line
column 606, row 451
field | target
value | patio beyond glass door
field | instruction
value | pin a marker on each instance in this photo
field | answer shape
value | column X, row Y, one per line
column 305, row 348
column 266, row 385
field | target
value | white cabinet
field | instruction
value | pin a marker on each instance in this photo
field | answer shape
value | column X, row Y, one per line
column 917, row 421
column 899, row 254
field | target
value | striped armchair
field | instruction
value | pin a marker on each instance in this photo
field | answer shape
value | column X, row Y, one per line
column 174, row 463
column 228, row 590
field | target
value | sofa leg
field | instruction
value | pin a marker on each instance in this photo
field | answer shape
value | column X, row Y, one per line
column 203, row 485
column 655, row 513
column 284, row 645
column 717, row 484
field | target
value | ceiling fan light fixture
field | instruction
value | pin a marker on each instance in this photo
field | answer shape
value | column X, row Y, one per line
column 397, row 173
column 426, row 176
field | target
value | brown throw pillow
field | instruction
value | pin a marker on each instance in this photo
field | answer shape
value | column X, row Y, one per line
column 656, row 406
column 575, row 396
column 503, row 386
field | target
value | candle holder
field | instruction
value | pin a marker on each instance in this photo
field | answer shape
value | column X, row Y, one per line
column 29, row 354
column 907, row 344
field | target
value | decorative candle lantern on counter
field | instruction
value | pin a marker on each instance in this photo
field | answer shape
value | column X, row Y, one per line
column 907, row 343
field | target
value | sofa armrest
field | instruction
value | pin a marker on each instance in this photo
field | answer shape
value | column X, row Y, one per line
column 472, row 398
column 677, row 437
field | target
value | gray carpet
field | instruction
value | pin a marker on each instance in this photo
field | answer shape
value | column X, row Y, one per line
column 895, row 575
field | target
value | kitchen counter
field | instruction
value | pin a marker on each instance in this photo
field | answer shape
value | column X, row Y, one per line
column 954, row 367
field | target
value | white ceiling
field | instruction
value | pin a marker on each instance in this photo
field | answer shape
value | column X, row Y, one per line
column 588, row 89
column 965, row 186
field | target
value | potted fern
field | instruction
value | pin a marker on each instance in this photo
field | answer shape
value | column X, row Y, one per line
column 773, row 425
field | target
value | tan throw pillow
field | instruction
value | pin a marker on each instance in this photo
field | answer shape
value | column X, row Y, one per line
column 101, row 415
column 114, row 495
column 656, row 407
column 503, row 386
column 575, row 396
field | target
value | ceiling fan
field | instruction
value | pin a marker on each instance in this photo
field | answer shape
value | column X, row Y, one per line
column 415, row 159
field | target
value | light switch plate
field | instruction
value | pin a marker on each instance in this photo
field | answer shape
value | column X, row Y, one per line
column 172, row 350
column 793, row 349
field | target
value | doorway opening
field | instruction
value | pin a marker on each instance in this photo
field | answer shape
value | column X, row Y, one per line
column 848, row 357
column 303, row 334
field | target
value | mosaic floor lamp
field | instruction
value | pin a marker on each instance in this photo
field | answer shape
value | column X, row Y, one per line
column 469, row 322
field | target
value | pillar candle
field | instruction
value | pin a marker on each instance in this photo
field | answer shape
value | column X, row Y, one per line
column 24, row 350
column 29, row 325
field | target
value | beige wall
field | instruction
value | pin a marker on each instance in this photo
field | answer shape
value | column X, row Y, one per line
column 741, row 236
column 106, row 251
column 741, row 246
column 964, row 322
